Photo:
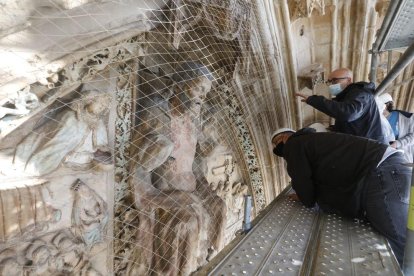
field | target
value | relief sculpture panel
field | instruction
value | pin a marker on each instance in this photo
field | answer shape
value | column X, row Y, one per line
column 39, row 239
column 76, row 138
column 166, row 189
column 53, row 220
column 222, row 172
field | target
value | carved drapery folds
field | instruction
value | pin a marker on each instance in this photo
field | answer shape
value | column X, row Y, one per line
column 172, row 214
column 223, row 176
column 89, row 214
column 31, row 212
column 174, row 218
column 53, row 220
column 56, row 253
column 77, row 138
column 173, row 222
column 19, row 103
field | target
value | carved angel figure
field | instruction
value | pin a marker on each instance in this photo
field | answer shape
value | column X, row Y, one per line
column 77, row 138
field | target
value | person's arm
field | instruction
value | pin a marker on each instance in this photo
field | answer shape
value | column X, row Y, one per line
column 300, row 171
column 408, row 138
column 348, row 110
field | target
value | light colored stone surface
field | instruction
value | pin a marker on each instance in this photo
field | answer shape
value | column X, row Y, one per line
column 142, row 172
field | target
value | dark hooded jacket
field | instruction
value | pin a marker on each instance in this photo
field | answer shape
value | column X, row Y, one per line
column 354, row 109
column 329, row 168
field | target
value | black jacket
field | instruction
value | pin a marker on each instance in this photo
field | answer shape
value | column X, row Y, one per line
column 328, row 168
column 354, row 109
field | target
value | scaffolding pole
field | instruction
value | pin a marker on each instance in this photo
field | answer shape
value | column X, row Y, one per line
column 399, row 66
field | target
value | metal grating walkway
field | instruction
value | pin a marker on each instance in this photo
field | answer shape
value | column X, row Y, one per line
column 293, row 240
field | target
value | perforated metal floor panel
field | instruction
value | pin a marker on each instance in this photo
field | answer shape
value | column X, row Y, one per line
column 400, row 31
column 293, row 240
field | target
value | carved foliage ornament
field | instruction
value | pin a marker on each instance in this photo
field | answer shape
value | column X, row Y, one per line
column 249, row 150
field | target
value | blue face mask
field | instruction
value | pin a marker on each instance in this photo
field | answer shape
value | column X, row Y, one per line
column 335, row 89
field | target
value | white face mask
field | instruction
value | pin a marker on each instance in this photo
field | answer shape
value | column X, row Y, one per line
column 335, row 89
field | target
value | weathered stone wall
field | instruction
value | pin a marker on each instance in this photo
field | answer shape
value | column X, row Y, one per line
column 112, row 161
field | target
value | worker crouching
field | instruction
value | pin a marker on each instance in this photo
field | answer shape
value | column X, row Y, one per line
column 351, row 176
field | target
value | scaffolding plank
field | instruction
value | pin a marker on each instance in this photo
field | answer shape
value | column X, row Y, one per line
column 401, row 29
column 352, row 247
column 293, row 240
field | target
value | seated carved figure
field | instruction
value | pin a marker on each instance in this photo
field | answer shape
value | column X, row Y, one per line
column 89, row 214
column 164, row 181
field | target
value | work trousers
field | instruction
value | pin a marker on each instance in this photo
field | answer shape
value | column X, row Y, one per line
column 385, row 201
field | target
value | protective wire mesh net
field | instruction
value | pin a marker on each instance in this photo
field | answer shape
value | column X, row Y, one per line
column 129, row 148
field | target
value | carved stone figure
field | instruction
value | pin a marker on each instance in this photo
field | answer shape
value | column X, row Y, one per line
column 19, row 103
column 164, row 181
column 89, row 214
column 223, row 177
column 56, row 253
column 238, row 192
column 9, row 264
column 77, row 138
column 71, row 256
column 40, row 256
column 33, row 213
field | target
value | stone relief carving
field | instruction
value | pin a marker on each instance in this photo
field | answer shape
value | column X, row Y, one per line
column 186, row 15
column 61, row 82
column 77, row 138
column 63, row 252
column 24, row 211
column 304, row 8
column 86, row 68
column 222, row 174
column 56, row 253
column 127, row 223
column 71, row 256
column 19, row 103
column 89, row 214
column 236, row 115
column 10, row 264
column 225, row 17
column 163, row 179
